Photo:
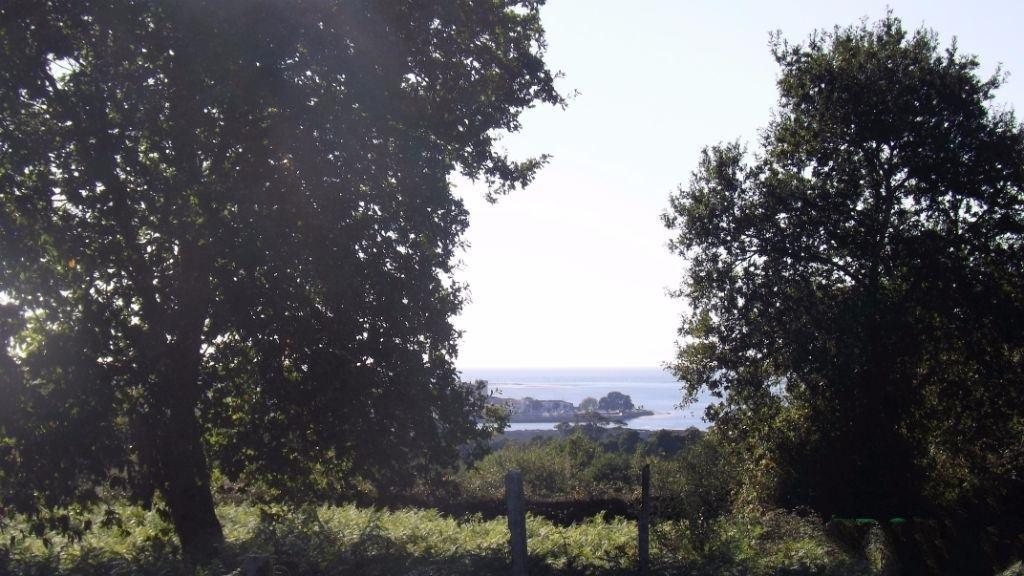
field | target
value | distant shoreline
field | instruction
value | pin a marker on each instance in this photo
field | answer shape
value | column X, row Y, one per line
column 539, row 419
column 650, row 388
column 527, row 435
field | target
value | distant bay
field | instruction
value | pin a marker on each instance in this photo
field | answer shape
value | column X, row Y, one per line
column 652, row 388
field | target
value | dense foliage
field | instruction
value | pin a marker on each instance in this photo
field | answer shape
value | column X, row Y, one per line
column 320, row 540
column 586, row 462
column 615, row 402
column 349, row 540
column 857, row 284
column 226, row 229
column 697, row 528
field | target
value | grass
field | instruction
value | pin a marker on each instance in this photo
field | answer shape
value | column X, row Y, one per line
column 351, row 540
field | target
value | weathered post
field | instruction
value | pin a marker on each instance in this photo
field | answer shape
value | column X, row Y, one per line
column 257, row 566
column 643, row 525
column 516, row 521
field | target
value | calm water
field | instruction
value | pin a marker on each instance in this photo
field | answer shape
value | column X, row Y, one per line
column 651, row 388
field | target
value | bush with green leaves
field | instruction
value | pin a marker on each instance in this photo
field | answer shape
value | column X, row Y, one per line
column 696, row 488
column 574, row 467
column 326, row 540
column 586, row 462
column 316, row 541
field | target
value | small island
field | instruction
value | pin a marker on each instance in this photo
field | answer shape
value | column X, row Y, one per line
column 613, row 407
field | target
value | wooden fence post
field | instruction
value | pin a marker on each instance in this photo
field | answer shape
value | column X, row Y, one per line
column 516, row 521
column 257, row 566
column 643, row 525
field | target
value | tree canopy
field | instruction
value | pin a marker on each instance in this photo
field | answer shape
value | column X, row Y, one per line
column 856, row 283
column 227, row 238
column 615, row 402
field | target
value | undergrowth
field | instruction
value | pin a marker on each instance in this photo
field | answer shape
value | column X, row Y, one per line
column 334, row 540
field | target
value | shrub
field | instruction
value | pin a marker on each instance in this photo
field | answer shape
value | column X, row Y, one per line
column 696, row 488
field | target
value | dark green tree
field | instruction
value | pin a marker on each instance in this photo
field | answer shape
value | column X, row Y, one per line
column 857, row 285
column 588, row 404
column 227, row 237
column 615, row 402
column 696, row 482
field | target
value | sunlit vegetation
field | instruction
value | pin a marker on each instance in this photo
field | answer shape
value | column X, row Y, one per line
column 351, row 540
column 228, row 251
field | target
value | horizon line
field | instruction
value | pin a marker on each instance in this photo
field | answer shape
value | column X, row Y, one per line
column 595, row 367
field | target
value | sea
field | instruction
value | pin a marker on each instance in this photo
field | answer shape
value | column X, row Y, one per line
column 652, row 388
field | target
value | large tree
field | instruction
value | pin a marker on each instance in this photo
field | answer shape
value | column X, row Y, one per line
column 227, row 235
column 857, row 284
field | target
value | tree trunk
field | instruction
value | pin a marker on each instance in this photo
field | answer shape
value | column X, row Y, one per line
column 185, row 486
column 181, row 465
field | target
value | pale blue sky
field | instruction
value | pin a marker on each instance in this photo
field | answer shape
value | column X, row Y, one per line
column 573, row 271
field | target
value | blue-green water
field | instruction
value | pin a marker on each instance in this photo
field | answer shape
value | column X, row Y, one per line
column 651, row 388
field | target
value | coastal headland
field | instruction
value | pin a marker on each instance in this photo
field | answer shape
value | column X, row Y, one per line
column 614, row 407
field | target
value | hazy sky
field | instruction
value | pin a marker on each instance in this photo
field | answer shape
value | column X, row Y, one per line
column 573, row 271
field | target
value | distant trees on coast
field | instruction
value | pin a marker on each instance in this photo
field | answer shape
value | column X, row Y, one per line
column 533, row 410
column 615, row 402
